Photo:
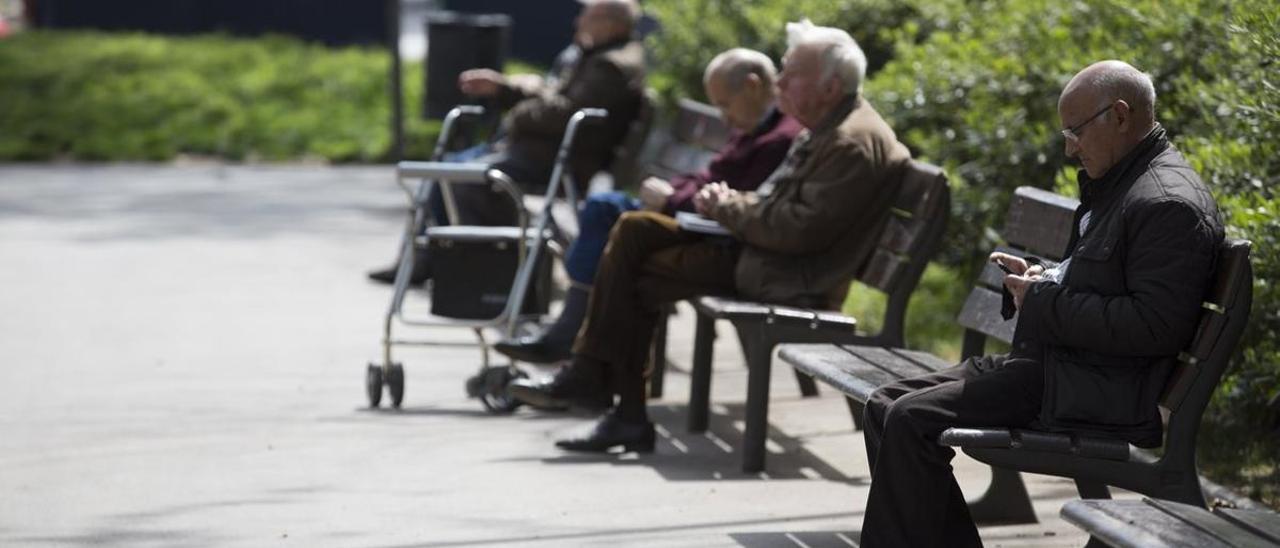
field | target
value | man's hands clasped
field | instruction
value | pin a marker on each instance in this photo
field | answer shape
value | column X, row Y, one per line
column 712, row 195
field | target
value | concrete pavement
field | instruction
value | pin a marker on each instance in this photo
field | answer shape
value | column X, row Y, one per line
column 181, row 361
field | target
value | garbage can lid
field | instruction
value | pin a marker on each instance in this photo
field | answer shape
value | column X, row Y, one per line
column 468, row 19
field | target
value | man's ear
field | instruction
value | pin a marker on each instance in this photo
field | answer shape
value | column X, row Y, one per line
column 1123, row 114
column 833, row 87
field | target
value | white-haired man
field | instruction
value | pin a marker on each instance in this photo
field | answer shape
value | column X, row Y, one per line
column 798, row 240
column 740, row 83
column 1097, row 335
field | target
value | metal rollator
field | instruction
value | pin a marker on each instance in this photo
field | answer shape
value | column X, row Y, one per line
column 490, row 383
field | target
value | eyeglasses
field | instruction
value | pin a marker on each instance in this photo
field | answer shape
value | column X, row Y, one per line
column 1073, row 133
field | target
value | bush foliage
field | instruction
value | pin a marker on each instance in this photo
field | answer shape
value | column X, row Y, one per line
column 972, row 85
column 110, row 96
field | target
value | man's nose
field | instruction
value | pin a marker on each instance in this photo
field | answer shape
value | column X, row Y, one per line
column 1070, row 147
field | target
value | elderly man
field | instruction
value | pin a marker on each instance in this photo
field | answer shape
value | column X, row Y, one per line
column 798, row 240
column 608, row 72
column 740, row 83
column 1097, row 335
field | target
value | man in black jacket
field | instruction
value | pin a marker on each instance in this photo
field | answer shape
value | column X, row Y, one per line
column 1097, row 335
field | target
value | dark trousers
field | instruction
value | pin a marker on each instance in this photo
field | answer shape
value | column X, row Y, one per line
column 596, row 218
column 914, row 499
column 648, row 262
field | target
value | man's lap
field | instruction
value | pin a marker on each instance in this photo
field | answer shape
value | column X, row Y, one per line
column 985, row 391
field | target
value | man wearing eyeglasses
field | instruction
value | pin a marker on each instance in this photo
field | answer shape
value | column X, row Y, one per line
column 1097, row 335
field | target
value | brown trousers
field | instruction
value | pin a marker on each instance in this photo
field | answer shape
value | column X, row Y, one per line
column 647, row 263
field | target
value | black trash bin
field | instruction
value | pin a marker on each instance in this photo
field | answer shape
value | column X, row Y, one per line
column 457, row 42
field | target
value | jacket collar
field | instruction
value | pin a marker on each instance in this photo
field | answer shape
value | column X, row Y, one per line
column 1121, row 175
column 767, row 123
column 837, row 114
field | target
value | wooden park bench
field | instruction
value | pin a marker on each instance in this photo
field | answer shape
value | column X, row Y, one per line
column 909, row 238
column 1039, row 224
column 1154, row 523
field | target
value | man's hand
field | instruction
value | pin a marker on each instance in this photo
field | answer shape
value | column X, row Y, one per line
column 654, row 193
column 481, row 82
column 1018, row 276
column 711, row 195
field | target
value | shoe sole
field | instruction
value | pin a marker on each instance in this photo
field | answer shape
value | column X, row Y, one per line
column 528, row 357
column 536, row 398
column 637, row 447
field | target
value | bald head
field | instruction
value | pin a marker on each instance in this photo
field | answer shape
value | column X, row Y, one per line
column 1106, row 110
column 1105, row 82
column 735, row 66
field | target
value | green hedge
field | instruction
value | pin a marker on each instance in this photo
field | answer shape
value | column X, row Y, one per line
column 973, row 84
column 111, row 96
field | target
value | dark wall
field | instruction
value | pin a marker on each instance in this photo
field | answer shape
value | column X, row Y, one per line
column 540, row 29
column 334, row 22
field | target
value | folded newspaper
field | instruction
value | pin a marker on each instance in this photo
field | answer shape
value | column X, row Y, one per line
column 693, row 222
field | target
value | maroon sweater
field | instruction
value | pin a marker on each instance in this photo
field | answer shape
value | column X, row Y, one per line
column 744, row 162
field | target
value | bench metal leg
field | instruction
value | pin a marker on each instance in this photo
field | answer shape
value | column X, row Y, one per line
column 1092, row 490
column 1094, row 542
column 755, row 431
column 700, row 373
column 658, row 355
column 808, row 388
column 855, row 411
column 1005, row 501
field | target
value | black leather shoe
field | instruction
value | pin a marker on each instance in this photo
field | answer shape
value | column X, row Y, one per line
column 610, row 432
column 565, row 390
column 420, row 274
column 533, row 349
column 388, row 276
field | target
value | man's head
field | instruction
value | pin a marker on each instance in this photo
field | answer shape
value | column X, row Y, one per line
column 603, row 21
column 1106, row 110
column 740, row 82
column 822, row 66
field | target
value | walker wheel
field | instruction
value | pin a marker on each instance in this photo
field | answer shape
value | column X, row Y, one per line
column 490, row 386
column 395, row 384
column 373, row 384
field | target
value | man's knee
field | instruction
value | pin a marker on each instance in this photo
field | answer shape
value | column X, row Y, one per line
column 634, row 224
column 878, row 404
column 601, row 209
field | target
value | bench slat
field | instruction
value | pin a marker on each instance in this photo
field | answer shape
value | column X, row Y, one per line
column 731, row 309
column 1133, row 523
column 1263, row 524
column 1225, row 530
column 981, row 313
column 883, row 268
column 836, row 367
column 1040, row 221
column 902, row 364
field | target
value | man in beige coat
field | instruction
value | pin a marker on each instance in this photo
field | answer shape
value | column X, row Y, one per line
column 798, row 240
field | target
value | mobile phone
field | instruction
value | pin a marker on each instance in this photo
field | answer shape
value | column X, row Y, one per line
column 1003, row 267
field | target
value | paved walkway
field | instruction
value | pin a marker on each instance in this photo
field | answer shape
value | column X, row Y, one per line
column 182, row 355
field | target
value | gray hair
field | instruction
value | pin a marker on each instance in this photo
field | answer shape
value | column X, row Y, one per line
column 735, row 65
column 841, row 56
column 624, row 12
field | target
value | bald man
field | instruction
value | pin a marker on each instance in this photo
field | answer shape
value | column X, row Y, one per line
column 1097, row 335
